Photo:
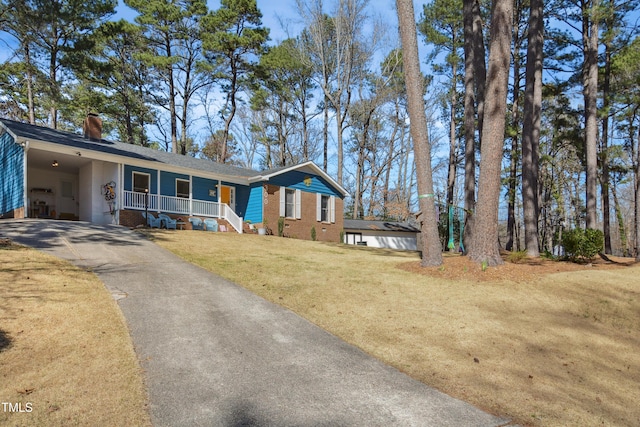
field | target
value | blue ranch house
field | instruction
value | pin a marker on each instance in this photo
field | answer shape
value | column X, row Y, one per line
column 48, row 173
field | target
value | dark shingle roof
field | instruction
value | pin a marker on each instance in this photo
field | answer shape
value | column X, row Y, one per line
column 361, row 224
column 40, row 133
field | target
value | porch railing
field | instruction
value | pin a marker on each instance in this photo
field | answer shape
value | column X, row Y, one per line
column 181, row 206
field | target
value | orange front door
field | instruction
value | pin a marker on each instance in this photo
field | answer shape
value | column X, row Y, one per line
column 227, row 196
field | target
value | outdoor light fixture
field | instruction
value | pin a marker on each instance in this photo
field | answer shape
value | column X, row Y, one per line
column 54, row 164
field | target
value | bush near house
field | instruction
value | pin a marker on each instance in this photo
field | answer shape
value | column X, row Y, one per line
column 582, row 245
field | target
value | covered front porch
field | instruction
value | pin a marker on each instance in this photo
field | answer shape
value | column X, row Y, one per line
column 157, row 203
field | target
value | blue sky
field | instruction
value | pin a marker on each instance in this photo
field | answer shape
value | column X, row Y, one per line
column 279, row 13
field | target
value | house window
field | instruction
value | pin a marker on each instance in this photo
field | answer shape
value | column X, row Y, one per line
column 290, row 201
column 182, row 188
column 353, row 238
column 325, row 208
column 140, row 182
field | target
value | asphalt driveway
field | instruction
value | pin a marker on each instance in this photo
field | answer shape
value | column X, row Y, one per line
column 215, row 354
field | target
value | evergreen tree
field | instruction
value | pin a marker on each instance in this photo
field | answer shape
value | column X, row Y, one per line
column 233, row 40
column 431, row 252
column 172, row 32
column 485, row 246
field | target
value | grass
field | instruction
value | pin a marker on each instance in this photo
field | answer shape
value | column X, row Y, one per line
column 65, row 353
column 544, row 348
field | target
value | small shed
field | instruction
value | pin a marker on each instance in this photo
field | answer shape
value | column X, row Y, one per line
column 381, row 234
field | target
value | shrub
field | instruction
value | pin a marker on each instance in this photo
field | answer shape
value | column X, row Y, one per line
column 313, row 233
column 582, row 245
column 516, row 257
column 281, row 226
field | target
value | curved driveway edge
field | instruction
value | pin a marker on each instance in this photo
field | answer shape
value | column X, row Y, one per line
column 215, row 354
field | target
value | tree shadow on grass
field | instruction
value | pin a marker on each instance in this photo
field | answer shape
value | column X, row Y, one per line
column 5, row 340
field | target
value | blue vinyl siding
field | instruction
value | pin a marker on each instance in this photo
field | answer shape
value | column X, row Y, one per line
column 242, row 200
column 11, row 174
column 295, row 179
column 201, row 187
column 254, row 210
column 242, row 196
column 168, row 182
column 128, row 178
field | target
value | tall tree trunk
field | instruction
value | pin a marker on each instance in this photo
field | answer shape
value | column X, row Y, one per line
column 637, row 197
column 480, row 67
column 231, row 99
column 431, row 251
column 531, row 128
column 515, row 152
column 282, row 140
column 357, row 200
column 474, row 75
column 485, row 247
column 590, row 93
column 453, row 155
column 339, row 124
column 624, row 243
column 53, row 82
column 183, row 129
column 129, row 126
column 141, row 123
column 325, row 135
column 305, row 129
column 389, row 163
column 511, row 193
column 30, row 103
column 184, row 120
column 604, row 144
column 172, row 101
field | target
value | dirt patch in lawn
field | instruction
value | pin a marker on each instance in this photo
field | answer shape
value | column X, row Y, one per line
column 66, row 357
column 543, row 344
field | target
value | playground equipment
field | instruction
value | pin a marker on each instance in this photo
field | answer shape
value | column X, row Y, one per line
column 452, row 212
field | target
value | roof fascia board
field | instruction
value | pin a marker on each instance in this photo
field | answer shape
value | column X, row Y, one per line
column 114, row 158
column 10, row 132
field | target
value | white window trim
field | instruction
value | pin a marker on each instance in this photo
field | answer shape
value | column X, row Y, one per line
column 331, row 208
column 133, row 180
column 283, row 201
column 297, row 201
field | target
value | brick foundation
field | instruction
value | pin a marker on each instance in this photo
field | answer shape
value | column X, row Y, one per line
column 15, row 213
column 133, row 219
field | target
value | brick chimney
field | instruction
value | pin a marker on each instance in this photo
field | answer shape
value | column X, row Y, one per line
column 93, row 127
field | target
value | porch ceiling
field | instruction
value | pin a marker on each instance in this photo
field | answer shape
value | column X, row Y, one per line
column 66, row 163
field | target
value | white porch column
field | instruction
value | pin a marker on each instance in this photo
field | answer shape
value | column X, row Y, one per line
column 190, row 195
column 26, row 201
column 158, row 191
